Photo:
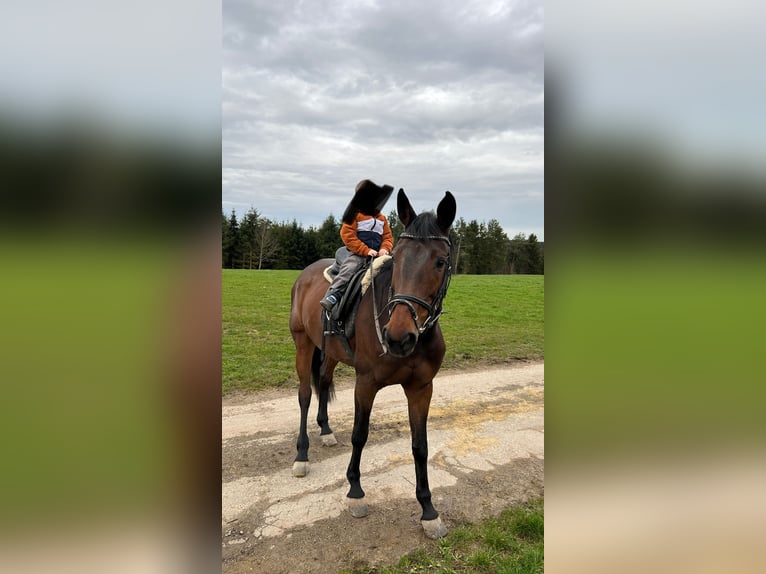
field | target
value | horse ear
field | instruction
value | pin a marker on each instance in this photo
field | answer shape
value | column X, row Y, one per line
column 404, row 209
column 445, row 213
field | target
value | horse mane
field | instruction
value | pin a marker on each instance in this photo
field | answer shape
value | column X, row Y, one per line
column 425, row 225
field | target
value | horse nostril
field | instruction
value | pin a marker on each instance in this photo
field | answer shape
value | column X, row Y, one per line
column 400, row 346
column 409, row 341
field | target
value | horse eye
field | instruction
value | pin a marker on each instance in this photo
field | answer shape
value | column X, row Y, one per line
column 440, row 263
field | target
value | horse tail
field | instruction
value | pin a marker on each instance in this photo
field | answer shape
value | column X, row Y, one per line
column 321, row 383
column 316, row 367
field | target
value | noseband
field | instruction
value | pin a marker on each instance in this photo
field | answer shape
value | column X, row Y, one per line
column 434, row 309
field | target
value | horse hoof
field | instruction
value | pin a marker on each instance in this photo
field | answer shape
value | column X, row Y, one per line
column 328, row 440
column 434, row 528
column 357, row 507
column 300, row 468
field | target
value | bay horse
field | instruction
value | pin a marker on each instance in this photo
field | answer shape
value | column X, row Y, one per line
column 408, row 350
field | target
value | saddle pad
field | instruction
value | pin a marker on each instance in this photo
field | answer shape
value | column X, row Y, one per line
column 377, row 263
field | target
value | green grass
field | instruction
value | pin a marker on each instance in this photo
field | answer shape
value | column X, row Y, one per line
column 493, row 319
column 258, row 351
column 489, row 319
column 511, row 543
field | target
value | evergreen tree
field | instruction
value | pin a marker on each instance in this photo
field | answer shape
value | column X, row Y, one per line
column 495, row 247
column 232, row 251
column 282, row 236
column 309, row 245
column 471, row 247
column 534, row 256
column 396, row 226
column 518, row 260
column 477, row 248
column 328, row 237
column 224, row 235
column 248, row 231
column 483, row 252
column 296, row 250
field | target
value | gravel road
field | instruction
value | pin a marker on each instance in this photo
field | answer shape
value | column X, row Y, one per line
column 485, row 453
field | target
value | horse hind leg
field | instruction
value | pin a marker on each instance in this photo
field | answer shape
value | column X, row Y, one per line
column 322, row 374
column 303, row 362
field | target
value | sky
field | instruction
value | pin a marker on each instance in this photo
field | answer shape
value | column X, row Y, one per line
column 427, row 96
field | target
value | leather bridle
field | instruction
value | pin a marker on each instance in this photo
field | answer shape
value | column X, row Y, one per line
column 434, row 309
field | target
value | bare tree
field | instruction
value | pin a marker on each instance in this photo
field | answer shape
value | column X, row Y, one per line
column 266, row 244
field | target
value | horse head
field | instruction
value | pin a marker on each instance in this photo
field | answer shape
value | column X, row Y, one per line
column 420, row 275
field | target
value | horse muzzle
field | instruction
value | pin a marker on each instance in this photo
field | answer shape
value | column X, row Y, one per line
column 400, row 345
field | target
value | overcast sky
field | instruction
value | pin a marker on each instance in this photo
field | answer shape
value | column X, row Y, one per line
column 429, row 96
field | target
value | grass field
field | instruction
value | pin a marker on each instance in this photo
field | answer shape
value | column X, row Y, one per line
column 489, row 319
column 511, row 543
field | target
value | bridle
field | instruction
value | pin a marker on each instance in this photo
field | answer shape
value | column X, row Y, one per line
column 434, row 309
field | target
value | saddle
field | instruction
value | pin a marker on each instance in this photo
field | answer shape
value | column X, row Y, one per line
column 342, row 319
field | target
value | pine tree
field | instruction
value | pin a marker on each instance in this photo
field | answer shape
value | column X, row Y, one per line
column 224, row 235
column 295, row 250
column 477, row 248
column 328, row 237
column 518, row 258
column 232, row 251
column 495, row 247
column 471, row 247
column 248, row 231
column 534, row 256
column 396, row 226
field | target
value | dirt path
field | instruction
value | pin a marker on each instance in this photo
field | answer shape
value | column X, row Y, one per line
column 485, row 453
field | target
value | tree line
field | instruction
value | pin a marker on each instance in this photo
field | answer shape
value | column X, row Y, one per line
column 256, row 242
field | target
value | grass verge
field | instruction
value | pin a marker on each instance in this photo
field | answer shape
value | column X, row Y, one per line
column 511, row 543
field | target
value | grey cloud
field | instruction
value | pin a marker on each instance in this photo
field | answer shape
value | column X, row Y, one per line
column 432, row 95
column 451, row 40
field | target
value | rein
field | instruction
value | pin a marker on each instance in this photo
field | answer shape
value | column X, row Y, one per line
column 434, row 309
column 376, row 315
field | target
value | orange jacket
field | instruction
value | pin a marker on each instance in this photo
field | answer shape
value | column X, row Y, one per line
column 366, row 233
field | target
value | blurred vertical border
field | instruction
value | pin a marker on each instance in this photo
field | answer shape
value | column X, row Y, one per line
column 656, row 274
column 110, row 294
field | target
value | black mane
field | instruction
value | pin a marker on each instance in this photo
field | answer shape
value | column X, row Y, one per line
column 425, row 225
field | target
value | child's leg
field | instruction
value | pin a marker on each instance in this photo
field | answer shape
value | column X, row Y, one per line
column 352, row 263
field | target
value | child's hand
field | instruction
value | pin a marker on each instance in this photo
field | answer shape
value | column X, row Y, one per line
column 383, row 252
column 372, row 253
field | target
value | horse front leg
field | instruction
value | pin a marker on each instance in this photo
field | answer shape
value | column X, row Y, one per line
column 418, row 403
column 364, row 396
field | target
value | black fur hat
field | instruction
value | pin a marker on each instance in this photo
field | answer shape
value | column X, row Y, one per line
column 368, row 199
